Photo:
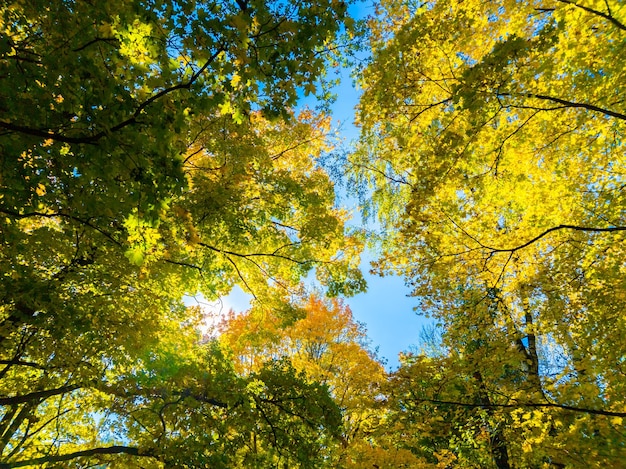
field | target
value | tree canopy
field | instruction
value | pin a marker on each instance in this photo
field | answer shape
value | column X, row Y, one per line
column 492, row 140
column 153, row 149
column 150, row 150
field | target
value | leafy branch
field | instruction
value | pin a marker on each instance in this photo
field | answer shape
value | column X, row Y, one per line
column 534, row 405
column 607, row 16
column 92, row 139
column 610, row 229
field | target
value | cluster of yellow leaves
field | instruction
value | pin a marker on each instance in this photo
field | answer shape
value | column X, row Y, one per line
column 321, row 339
column 493, row 143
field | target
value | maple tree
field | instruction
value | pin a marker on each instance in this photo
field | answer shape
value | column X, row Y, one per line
column 150, row 151
column 320, row 338
column 493, row 143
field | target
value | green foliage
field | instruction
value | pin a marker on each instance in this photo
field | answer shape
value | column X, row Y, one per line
column 150, row 151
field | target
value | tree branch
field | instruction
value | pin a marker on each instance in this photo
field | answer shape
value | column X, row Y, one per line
column 590, row 107
column 182, row 264
column 204, row 399
column 607, row 16
column 92, row 139
column 550, row 230
column 534, row 405
column 78, row 454
column 37, row 395
column 255, row 254
column 15, row 423
column 165, row 395
column 428, row 107
column 293, row 147
column 61, row 215
column 94, row 41
column 18, row 362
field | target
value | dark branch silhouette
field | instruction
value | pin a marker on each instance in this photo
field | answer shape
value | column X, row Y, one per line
column 517, row 405
column 78, row 454
column 82, row 221
column 37, row 395
column 107, row 40
column 609, row 229
column 607, row 16
column 256, row 254
column 566, row 103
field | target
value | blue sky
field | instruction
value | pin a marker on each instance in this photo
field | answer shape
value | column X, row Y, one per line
column 385, row 309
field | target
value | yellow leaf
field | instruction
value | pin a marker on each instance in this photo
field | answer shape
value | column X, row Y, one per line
column 235, row 80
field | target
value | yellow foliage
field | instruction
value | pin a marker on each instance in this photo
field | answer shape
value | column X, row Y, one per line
column 493, row 142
